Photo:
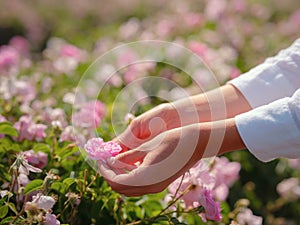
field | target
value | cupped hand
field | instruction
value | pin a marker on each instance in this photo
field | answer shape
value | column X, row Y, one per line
column 152, row 166
column 148, row 125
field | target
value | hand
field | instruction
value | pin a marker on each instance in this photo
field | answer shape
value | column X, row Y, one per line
column 148, row 125
column 152, row 166
column 218, row 104
column 162, row 160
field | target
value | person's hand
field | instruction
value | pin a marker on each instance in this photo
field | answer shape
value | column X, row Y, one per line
column 218, row 104
column 148, row 125
column 152, row 166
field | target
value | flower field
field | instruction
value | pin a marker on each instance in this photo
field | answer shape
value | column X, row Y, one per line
column 67, row 89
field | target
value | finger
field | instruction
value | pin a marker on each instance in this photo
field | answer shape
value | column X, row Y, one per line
column 118, row 164
column 131, row 157
column 132, row 137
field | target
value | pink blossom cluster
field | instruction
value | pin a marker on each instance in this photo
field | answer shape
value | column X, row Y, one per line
column 206, row 184
column 289, row 189
column 99, row 150
column 45, row 203
column 89, row 115
column 39, row 159
column 245, row 217
column 29, row 130
column 64, row 56
column 11, row 55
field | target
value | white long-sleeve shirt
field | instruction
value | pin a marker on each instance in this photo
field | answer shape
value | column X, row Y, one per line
column 272, row 128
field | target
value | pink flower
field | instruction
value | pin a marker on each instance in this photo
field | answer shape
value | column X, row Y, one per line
column 29, row 130
column 51, row 220
column 200, row 179
column 225, row 173
column 70, row 51
column 9, row 58
column 20, row 44
column 90, row 115
column 23, row 166
column 24, row 91
column 246, row 217
column 100, row 150
column 212, row 208
column 294, row 163
column 42, row 202
column 289, row 189
column 2, row 119
column 39, row 160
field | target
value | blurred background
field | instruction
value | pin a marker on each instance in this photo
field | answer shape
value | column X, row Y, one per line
column 232, row 36
column 251, row 29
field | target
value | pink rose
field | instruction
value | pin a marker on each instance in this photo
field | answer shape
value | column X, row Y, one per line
column 39, row 159
column 20, row 44
column 51, row 220
column 100, row 150
column 212, row 208
column 29, row 130
column 90, row 115
column 71, row 51
column 246, row 217
column 9, row 58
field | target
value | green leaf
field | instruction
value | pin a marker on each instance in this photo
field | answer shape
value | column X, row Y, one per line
column 33, row 185
column 41, row 147
column 57, row 186
column 7, row 220
column 12, row 207
column 68, row 182
column 3, row 211
column 8, row 129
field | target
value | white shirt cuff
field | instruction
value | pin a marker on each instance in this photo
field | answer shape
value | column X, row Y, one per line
column 276, row 78
column 270, row 131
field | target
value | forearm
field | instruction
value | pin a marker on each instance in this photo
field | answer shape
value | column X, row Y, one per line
column 218, row 104
column 217, row 138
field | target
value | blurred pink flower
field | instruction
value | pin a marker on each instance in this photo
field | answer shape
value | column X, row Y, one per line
column 50, row 219
column 9, row 59
column 246, row 217
column 20, row 44
column 24, row 91
column 212, row 208
column 39, row 159
column 23, row 180
column 235, row 72
column 2, row 119
column 100, row 150
column 42, row 202
column 68, row 134
column 21, row 164
column 127, row 58
column 29, row 130
column 199, row 49
column 289, row 189
column 90, row 115
column 70, row 51
column 200, row 179
column 65, row 57
column 225, row 173
column 54, row 114
column 294, row 163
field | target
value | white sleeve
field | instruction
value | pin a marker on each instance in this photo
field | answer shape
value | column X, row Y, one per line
column 276, row 78
column 272, row 130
